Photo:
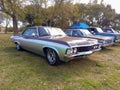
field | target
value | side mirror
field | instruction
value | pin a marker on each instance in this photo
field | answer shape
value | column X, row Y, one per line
column 34, row 35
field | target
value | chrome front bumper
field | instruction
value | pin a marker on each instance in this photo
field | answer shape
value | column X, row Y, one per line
column 77, row 55
column 94, row 50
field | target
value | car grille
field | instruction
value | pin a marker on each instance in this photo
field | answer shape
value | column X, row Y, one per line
column 109, row 41
column 88, row 48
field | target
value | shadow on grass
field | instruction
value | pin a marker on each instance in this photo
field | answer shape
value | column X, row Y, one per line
column 83, row 61
column 106, row 50
column 13, row 50
column 116, row 45
column 36, row 64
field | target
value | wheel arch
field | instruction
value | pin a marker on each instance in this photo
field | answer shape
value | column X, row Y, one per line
column 16, row 42
column 45, row 48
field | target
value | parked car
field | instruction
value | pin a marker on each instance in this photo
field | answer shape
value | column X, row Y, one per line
column 103, row 40
column 54, row 44
column 99, row 31
column 109, row 30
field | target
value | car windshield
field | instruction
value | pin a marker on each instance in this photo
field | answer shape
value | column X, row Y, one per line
column 56, row 32
column 99, row 30
column 86, row 32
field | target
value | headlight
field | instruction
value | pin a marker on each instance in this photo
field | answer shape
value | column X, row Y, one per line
column 71, row 51
column 101, row 41
column 95, row 47
column 74, row 50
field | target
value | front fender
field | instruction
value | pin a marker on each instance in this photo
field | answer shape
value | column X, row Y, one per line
column 59, row 50
column 45, row 47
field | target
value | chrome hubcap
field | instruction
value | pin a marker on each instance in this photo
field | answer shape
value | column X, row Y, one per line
column 51, row 56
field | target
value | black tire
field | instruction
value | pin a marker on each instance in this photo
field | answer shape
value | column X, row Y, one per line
column 52, row 57
column 18, row 47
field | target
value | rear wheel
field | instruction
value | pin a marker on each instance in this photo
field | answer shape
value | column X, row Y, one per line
column 18, row 47
column 52, row 57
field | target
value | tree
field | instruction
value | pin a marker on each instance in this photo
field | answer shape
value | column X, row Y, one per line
column 36, row 12
column 95, row 1
column 61, row 13
column 101, row 2
column 29, row 18
column 7, row 21
column 11, row 8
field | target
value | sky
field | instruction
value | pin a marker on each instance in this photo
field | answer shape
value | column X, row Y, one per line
column 114, row 3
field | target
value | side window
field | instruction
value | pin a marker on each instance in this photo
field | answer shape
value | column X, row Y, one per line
column 92, row 30
column 43, row 32
column 68, row 32
column 76, row 33
column 30, row 32
column 108, row 30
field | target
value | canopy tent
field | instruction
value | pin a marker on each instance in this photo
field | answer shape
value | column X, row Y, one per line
column 80, row 25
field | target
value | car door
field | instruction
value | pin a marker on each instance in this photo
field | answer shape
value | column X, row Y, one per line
column 43, row 40
column 29, row 39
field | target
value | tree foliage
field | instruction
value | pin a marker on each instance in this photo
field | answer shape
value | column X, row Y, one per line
column 11, row 8
column 60, row 13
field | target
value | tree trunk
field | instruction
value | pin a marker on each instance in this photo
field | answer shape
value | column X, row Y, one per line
column 15, row 24
column 6, row 29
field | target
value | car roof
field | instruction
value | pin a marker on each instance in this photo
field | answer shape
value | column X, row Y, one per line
column 42, row 26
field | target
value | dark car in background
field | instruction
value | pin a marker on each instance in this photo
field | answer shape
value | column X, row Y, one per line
column 103, row 40
column 109, row 30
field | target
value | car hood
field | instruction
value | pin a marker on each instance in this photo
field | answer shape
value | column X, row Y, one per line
column 116, row 36
column 72, row 41
column 101, row 37
column 112, row 34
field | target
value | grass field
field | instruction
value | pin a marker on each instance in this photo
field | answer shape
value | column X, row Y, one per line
column 22, row 70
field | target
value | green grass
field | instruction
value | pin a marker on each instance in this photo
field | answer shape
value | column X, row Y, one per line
column 22, row 70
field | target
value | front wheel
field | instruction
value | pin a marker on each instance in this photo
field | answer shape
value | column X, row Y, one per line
column 52, row 57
